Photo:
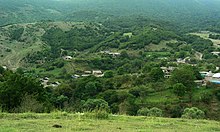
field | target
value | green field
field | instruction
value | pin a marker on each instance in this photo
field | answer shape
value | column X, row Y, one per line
column 29, row 122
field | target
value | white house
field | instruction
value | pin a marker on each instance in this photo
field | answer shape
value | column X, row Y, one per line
column 97, row 73
column 5, row 67
column 217, row 75
column 216, row 53
column 67, row 58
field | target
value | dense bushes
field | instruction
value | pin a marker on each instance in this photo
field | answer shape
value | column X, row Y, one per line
column 14, row 87
column 193, row 113
column 76, row 39
column 143, row 112
column 95, row 104
column 16, row 34
column 213, row 36
column 199, row 44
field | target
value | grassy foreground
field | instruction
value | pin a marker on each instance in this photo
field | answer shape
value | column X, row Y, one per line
column 29, row 122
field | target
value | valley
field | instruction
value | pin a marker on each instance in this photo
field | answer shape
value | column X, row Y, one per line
column 151, row 64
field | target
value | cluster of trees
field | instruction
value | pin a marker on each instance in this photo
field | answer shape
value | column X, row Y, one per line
column 16, row 34
column 153, row 36
column 77, row 39
column 214, row 36
column 116, row 92
column 199, row 44
column 14, row 87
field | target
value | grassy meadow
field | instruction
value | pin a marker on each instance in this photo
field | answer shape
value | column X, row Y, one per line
column 30, row 122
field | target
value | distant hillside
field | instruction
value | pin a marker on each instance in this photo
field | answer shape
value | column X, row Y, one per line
column 187, row 13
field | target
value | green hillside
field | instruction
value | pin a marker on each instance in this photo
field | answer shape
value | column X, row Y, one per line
column 194, row 14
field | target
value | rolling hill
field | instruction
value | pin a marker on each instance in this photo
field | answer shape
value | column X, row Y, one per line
column 188, row 13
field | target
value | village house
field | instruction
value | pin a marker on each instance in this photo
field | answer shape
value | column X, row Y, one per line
column 55, row 84
column 44, row 81
column 4, row 67
column 167, row 70
column 129, row 35
column 67, row 58
column 216, row 76
column 216, row 53
column 200, row 82
column 97, row 73
column 183, row 61
column 114, row 54
column 179, row 60
column 75, row 76
column 209, row 77
column 206, row 74
column 86, row 73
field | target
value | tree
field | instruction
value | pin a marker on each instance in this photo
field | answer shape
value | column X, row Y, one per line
column 185, row 76
column 156, row 74
column 143, row 112
column 91, row 89
column 92, row 104
column 15, row 86
column 153, row 112
column 124, row 54
column 109, row 74
column 60, row 101
column 179, row 89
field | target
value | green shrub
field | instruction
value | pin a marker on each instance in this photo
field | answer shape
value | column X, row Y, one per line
column 93, row 104
column 155, row 112
column 193, row 113
column 143, row 112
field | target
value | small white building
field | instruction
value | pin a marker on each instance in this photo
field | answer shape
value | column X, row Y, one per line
column 97, row 73
column 167, row 70
column 55, row 84
column 75, row 76
column 209, row 74
column 217, row 75
column 88, row 72
column 67, row 58
column 216, row 53
column 5, row 67
column 85, row 75
column 114, row 54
